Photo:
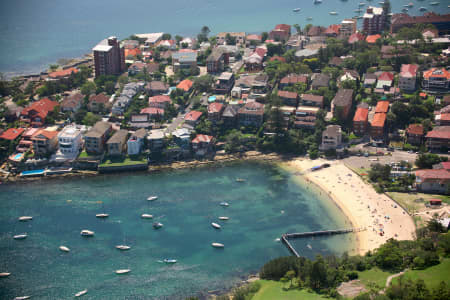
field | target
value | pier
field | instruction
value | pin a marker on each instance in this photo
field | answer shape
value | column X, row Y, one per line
column 285, row 237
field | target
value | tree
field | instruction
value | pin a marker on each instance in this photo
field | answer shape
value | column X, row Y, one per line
column 230, row 40
column 318, row 275
column 204, row 83
column 264, row 36
column 427, row 160
column 379, row 172
column 166, row 36
column 290, row 275
column 109, row 87
column 297, row 28
column 203, row 35
column 88, row 88
column 90, row 119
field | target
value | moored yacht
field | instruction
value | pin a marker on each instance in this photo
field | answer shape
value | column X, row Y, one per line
column 22, row 297
column 4, row 274
column 169, row 261
column 157, row 225
column 224, row 218
column 333, row 13
column 20, row 236
column 296, row 10
column 123, row 271
column 123, row 247
column 102, row 216
column 224, row 204
column 79, row 294
column 218, row 245
column 146, row 216
column 64, row 249
column 86, row 232
column 25, row 218
column 215, row 225
column 152, row 198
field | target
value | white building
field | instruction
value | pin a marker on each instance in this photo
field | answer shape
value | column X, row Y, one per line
column 331, row 137
column 136, row 142
column 70, row 141
column 408, row 77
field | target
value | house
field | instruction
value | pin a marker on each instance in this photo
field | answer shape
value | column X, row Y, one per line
column 239, row 36
column 188, row 42
column 251, row 114
column 153, row 112
column 72, row 103
column 259, row 87
column 253, row 39
column 288, row 98
column 65, row 73
column 136, row 67
column 382, row 107
column 224, row 83
column 182, row 137
column 254, row 62
column 348, row 27
column 277, row 58
column 99, row 103
column 128, row 92
column 70, row 142
column 202, row 144
column 408, row 77
column 185, row 85
column 351, row 75
column 309, row 52
column 292, row 79
column 335, row 61
column 156, row 140
column 216, row 61
column 374, row 20
column 311, row 100
column 319, row 80
column 414, row 134
column 44, row 142
column 333, row 30
column 433, row 181
column 95, row 138
column 372, row 39
column 184, row 60
column 377, row 126
column 441, row 22
column 370, row 79
column 385, row 81
column 281, row 32
column 135, row 143
column 437, row 80
column 438, row 139
column 229, row 115
column 11, row 134
column 132, row 53
column 342, row 103
column 193, row 117
column 142, row 120
column 150, row 38
column 305, row 117
column 36, row 113
column 445, row 165
column 154, row 88
column 442, row 119
column 117, row 144
column 215, row 110
column 331, row 138
column 169, row 44
column 356, row 37
column 315, row 31
column 388, row 51
column 25, row 142
column 360, row 121
column 160, row 101
column 436, row 202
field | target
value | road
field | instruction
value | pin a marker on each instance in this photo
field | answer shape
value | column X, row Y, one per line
column 365, row 162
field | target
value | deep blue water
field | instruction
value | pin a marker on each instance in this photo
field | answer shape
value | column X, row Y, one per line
column 271, row 202
column 36, row 33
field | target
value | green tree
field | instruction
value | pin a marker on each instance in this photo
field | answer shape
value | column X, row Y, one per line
column 264, row 36
column 109, row 87
column 290, row 275
column 204, row 83
column 230, row 40
column 427, row 160
column 88, row 88
column 166, row 36
column 90, row 119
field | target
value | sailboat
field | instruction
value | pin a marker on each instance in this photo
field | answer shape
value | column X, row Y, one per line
column 20, row 236
column 102, row 215
column 123, row 247
column 79, row 294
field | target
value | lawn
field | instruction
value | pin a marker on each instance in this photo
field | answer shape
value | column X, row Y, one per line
column 416, row 201
column 432, row 276
column 374, row 275
column 123, row 161
column 274, row 290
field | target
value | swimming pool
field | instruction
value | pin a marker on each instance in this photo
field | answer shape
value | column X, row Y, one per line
column 33, row 172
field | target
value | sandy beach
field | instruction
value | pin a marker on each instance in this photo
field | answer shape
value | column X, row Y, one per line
column 378, row 216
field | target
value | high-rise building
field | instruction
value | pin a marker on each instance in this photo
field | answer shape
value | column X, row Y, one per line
column 374, row 20
column 109, row 57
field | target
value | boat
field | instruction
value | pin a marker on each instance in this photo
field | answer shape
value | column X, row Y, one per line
column 381, row 2
column 218, row 245
column 123, row 247
column 358, row 17
column 86, row 232
column 152, row 198
column 422, row 8
column 169, row 261
column 123, row 271
column 358, row 10
column 146, row 216
column 296, row 10
column 25, row 218
column 240, row 180
column 102, row 216
column 20, row 236
column 333, row 13
column 435, row 3
column 317, row 1
column 4, row 274
column 79, row 294
column 22, row 297
column 64, row 249
column 224, row 218
column 361, row 4
column 215, row 225
column 157, row 225
column 404, row 10
column 309, row 18
column 309, row 246
column 224, row 204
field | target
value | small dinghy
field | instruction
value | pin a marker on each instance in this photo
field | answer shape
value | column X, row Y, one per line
column 79, row 294
column 123, row 271
column 217, row 245
column 224, row 204
column 102, row 216
column 25, row 218
column 215, row 225
column 169, row 261
column 146, row 216
column 152, row 198
column 123, row 247
column 20, row 236
column 86, row 232
column 224, row 218
column 4, row 274
column 22, row 298
column 64, row 249
column 157, row 225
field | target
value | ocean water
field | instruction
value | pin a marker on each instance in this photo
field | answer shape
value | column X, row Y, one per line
column 271, row 202
column 36, row 33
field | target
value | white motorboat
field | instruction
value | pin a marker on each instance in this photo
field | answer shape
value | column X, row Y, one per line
column 20, row 236
column 152, row 198
column 333, row 13
column 123, row 247
column 361, row 4
column 435, row 3
column 102, row 215
column 146, row 216
column 123, row 271
column 240, row 180
column 86, row 232
column 79, row 294
column 217, row 245
column 423, row 8
column 224, row 204
column 296, row 10
column 224, row 218
column 157, row 225
column 64, row 249
column 215, row 225
column 309, row 18
column 4, row 274
column 22, row 297
column 317, row 1
column 25, row 218
column 169, row 261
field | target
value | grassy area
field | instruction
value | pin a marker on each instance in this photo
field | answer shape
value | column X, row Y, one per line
column 274, row 290
column 374, row 275
column 416, row 201
column 123, row 161
column 432, row 276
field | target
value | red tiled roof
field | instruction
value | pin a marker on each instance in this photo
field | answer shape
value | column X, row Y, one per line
column 445, row 117
column 260, row 52
column 446, row 165
column 333, row 29
column 409, row 71
column 42, row 107
column 416, row 129
column 159, row 99
column 253, row 37
column 356, row 37
column 382, row 107
column 378, row 120
column 63, row 73
column 294, row 78
column 132, row 52
column 361, row 115
column 152, row 111
column 436, row 73
column 442, row 132
column 193, row 115
column 313, row 98
column 185, row 85
column 12, row 134
column 215, row 107
column 372, row 39
column 252, row 108
column 423, row 95
column 283, row 27
column 100, row 98
column 276, row 57
column 287, row 94
column 440, row 174
column 72, row 100
column 387, row 76
column 46, row 133
column 202, row 138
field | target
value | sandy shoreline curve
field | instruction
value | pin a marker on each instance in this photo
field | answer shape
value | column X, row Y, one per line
column 377, row 216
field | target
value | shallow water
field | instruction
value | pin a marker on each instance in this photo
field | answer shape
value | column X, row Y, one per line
column 269, row 203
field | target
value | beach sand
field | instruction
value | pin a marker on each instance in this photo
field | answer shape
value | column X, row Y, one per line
column 367, row 210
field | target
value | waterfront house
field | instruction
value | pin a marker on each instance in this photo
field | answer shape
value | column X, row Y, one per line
column 229, row 115
column 216, row 61
column 192, row 118
column 155, row 88
column 160, row 101
column 62, row 74
column 11, row 134
column 182, row 137
column 305, row 117
column 238, row 36
column 215, row 110
column 251, row 114
column 436, row 80
column 184, row 60
column 311, row 100
column 319, row 80
column 135, row 143
column 292, row 79
column 36, row 113
column 331, row 138
column 360, row 121
column 70, row 142
column 433, row 181
column 156, row 140
column 99, row 103
column 281, row 32
column 185, row 85
column 342, row 103
column 378, row 126
column 202, row 144
column 408, row 77
column 95, row 138
column 415, row 134
column 72, row 103
column 438, row 139
column 288, row 98
column 224, row 83
column 25, row 142
column 117, row 143
column 45, row 142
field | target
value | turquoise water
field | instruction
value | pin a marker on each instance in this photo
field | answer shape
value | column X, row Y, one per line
column 270, row 203
column 37, row 33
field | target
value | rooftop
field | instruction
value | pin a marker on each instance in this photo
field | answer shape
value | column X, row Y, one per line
column 378, row 120
column 361, row 115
